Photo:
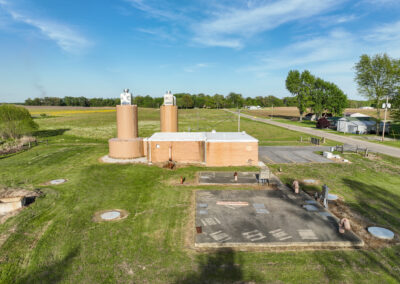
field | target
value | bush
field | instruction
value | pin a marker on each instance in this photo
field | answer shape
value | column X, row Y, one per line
column 323, row 123
column 15, row 122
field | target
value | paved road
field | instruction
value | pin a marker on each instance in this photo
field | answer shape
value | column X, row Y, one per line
column 291, row 154
column 373, row 147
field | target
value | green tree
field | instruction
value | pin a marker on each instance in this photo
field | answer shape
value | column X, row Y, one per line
column 336, row 100
column 377, row 77
column 300, row 86
column 319, row 97
column 219, row 100
column 234, row 100
column 15, row 122
column 186, row 101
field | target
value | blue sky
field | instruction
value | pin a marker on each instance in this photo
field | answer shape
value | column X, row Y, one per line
column 95, row 48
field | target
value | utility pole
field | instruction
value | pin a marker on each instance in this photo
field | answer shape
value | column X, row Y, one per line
column 239, row 120
column 384, row 122
column 272, row 115
column 198, row 119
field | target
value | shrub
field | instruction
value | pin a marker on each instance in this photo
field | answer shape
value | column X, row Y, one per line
column 15, row 122
column 323, row 123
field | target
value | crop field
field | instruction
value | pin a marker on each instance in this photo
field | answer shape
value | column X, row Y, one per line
column 55, row 239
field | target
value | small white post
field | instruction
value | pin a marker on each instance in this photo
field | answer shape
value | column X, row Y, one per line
column 384, row 122
column 239, row 120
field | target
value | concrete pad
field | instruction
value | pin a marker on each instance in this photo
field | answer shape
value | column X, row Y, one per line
column 228, row 178
column 11, row 204
column 291, row 154
column 270, row 220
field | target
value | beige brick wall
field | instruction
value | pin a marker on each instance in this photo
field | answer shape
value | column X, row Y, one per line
column 182, row 151
column 220, row 154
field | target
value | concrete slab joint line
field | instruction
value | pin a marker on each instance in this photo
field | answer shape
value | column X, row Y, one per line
column 373, row 147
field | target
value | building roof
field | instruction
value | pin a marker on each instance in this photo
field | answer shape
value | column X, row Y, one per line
column 177, row 136
column 229, row 137
column 203, row 136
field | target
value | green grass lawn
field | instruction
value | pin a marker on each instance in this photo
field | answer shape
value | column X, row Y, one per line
column 55, row 240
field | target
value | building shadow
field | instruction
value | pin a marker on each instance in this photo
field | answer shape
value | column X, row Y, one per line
column 49, row 132
column 52, row 273
column 222, row 266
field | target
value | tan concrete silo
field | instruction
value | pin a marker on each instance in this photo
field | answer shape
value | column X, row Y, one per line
column 127, row 145
column 169, row 114
column 127, row 121
column 169, row 118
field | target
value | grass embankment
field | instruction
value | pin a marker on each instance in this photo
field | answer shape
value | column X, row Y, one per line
column 55, row 240
column 290, row 116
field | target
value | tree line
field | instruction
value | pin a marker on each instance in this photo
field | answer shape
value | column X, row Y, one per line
column 184, row 100
column 314, row 93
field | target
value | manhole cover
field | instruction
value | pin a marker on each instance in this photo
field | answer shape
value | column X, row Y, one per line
column 381, row 233
column 110, row 215
column 57, row 181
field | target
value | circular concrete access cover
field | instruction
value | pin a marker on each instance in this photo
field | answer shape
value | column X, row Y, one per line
column 57, row 181
column 110, row 215
column 381, row 233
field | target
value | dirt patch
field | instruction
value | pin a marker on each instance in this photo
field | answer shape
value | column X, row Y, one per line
column 17, row 145
column 122, row 215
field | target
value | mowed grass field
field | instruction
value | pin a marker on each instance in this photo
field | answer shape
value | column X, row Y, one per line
column 99, row 124
column 55, row 240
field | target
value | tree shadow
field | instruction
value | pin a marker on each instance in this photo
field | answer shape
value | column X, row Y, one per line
column 223, row 266
column 376, row 203
column 361, row 263
column 49, row 132
column 52, row 273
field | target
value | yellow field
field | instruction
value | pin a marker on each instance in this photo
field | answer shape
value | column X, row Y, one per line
column 61, row 110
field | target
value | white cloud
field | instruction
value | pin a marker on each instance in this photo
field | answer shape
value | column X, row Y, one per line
column 65, row 36
column 331, row 47
column 159, row 33
column 151, row 9
column 196, row 67
column 386, row 32
column 231, row 26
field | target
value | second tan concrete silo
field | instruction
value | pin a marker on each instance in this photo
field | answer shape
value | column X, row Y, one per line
column 169, row 114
